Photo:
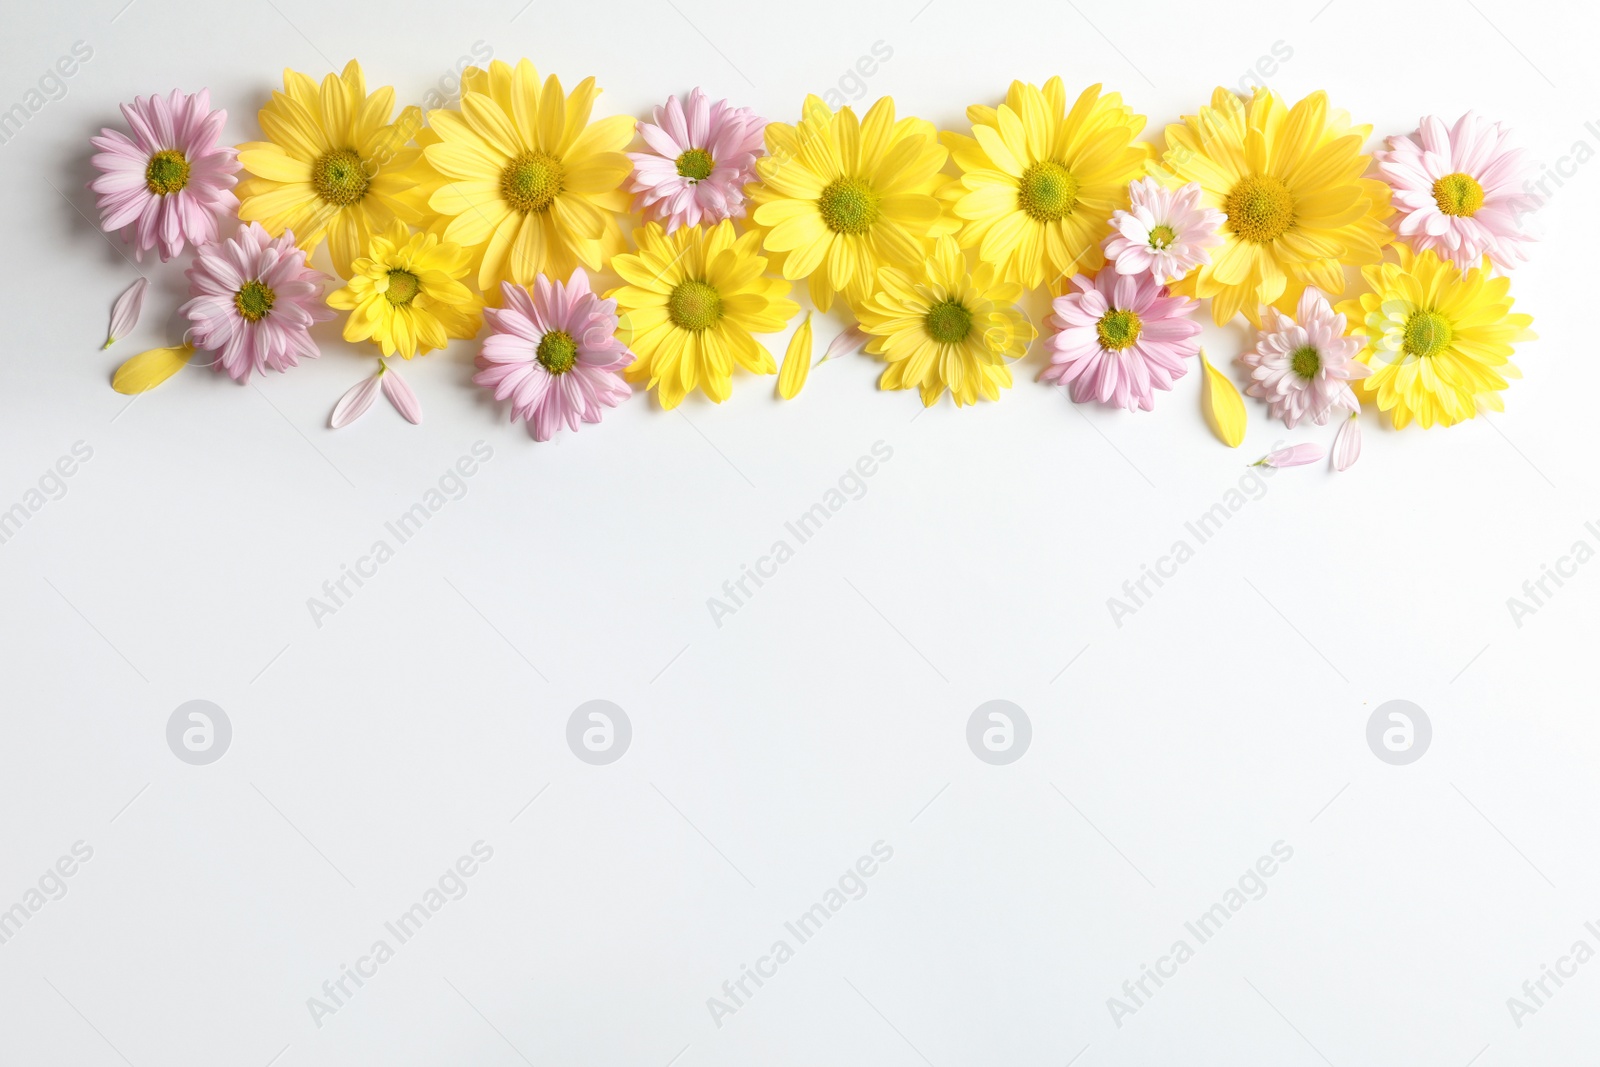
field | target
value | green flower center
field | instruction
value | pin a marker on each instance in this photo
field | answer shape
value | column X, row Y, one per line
column 1305, row 361
column 253, row 300
column 531, row 182
column 1458, row 194
column 1427, row 333
column 694, row 305
column 848, row 205
column 948, row 322
column 1161, row 236
column 167, row 173
column 1259, row 208
column 1048, row 192
column 557, row 352
column 340, row 177
column 695, row 164
column 403, row 288
column 1118, row 329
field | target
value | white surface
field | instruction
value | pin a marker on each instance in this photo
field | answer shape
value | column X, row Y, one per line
column 772, row 752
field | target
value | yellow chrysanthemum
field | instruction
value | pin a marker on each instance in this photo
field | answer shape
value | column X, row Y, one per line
column 1039, row 182
column 1438, row 340
column 406, row 296
column 840, row 198
column 1290, row 181
column 693, row 299
column 946, row 327
column 333, row 165
column 524, row 181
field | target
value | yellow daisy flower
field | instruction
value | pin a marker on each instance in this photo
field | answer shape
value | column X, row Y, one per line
column 526, row 182
column 1039, row 182
column 839, row 198
column 1438, row 340
column 406, row 296
column 1290, row 181
column 693, row 299
column 334, row 166
column 946, row 327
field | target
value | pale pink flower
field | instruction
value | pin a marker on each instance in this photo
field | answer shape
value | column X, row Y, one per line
column 701, row 156
column 1165, row 232
column 1459, row 191
column 554, row 352
column 253, row 301
column 1118, row 337
column 168, row 182
column 1303, row 366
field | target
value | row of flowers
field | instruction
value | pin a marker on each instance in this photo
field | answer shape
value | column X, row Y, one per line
column 498, row 208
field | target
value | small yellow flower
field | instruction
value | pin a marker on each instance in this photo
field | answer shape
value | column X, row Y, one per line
column 406, row 296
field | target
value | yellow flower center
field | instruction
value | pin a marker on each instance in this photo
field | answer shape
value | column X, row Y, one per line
column 1118, row 329
column 1458, row 194
column 253, row 301
column 531, row 182
column 696, row 165
column 557, row 352
column 167, row 173
column 1305, row 361
column 340, row 177
column 403, row 288
column 848, row 205
column 1259, row 208
column 1047, row 192
column 948, row 322
column 1427, row 333
column 1161, row 236
column 694, row 305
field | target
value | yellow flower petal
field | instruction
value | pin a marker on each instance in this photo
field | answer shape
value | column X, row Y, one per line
column 1222, row 404
column 796, row 361
column 149, row 369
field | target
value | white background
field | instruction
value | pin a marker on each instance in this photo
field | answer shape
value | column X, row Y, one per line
column 830, row 712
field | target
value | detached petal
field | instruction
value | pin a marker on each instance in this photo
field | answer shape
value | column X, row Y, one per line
column 355, row 402
column 401, row 396
column 796, row 361
column 1222, row 404
column 149, row 369
column 1347, row 443
column 125, row 312
column 847, row 342
column 1293, row 456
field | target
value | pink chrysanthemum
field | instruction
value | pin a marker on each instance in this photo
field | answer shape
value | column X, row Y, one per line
column 701, row 157
column 1166, row 233
column 252, row 302
column 170, row 181
column 1118, row 337
column 1459, row 191
column 554, row 352
column 1304, row 365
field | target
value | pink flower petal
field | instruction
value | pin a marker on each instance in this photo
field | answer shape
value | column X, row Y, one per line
column 1347, row 444
column 401, row 395
column 1293, row 456
column 355, row 402
column 125, row 312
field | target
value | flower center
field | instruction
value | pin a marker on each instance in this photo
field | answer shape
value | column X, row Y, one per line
column 557, row 352
column 340, row 177
column 1305, row 361
column 253, row 301
column 1427, row 333
column 1259, row 208
column 1161, row 236
column 948, row 322
column 403, row 288
column 1118, row 329
column 694, row 305
column 531, row 181
column 848, row 205
column 1458, row 194
column 167, row 173
column 1048, row 192
column 695, row 164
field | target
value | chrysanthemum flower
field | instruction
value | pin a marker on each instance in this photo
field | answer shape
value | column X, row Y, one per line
column 692, row 302
column 253, row 301
column 1039, row 182
column 405, row 294
column 946, row 327
column 1289, row 180
column 528, row 185
column 168, row 182
column 554, row 353
column 701, row 156
column 839, row 198
column 332, row 166
column 1438, row 340
column 1118, row 337
column 1304, row 365
column 1166, row 233
column 1459, row 190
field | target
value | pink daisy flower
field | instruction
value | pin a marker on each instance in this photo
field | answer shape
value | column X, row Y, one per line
column 1304, row 365
column 1119, row 337
column 700, row 159
column 252, row 302
column 1165, row 233
column 1459, row 191
column 170, row 181
column 554, row 353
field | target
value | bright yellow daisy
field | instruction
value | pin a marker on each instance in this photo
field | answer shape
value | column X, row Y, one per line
column 333, row 166
column 838, row 198
column 406, row 295
column 1039, row 182
column 1438, row 340
column 946, row 327
column 526, row 182
column 693, row 299
column 1290, row 181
